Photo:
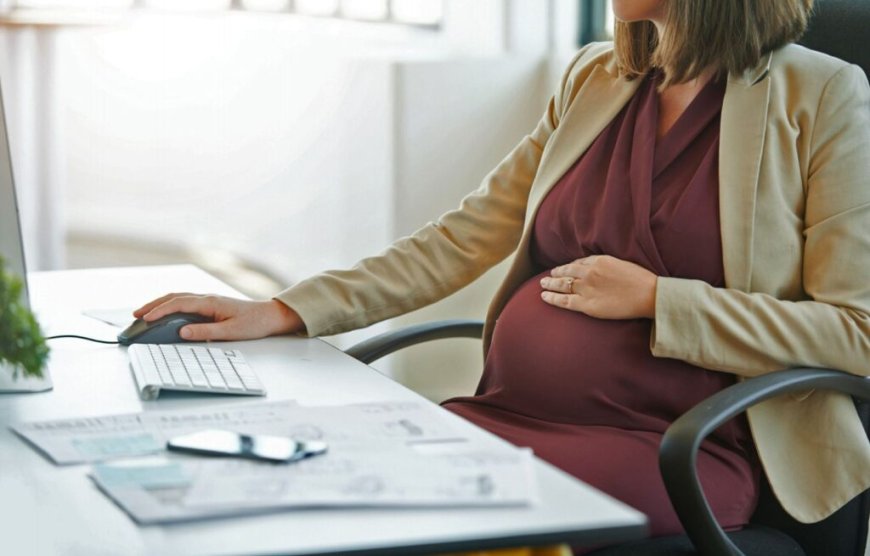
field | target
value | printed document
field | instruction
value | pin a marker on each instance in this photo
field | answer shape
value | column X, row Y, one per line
column 379, row 454
column 167, row 490
column 94, row 439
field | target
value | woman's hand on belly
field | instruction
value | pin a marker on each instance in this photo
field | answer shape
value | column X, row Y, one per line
column 602, row 286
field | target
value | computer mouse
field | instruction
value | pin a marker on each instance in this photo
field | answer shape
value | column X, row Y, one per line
column 164, row 330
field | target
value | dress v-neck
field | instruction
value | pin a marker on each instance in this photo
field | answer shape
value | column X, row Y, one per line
column 652, row 155
column 689, row 124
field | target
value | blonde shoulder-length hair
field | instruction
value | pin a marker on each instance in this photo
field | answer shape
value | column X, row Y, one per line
column 728, row 36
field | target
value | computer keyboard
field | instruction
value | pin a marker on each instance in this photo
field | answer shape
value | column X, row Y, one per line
column 188, row 368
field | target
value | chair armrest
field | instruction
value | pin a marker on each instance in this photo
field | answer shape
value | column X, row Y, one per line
column 679, row 449
column 373, row 349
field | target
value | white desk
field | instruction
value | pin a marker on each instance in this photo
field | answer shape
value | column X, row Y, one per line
column 45, row 509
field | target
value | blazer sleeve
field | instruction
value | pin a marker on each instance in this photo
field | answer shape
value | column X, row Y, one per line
column 439, row 258
column 753, row 333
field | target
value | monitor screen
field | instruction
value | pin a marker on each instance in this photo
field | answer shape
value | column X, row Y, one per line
column 12, row 250
column 11, row 247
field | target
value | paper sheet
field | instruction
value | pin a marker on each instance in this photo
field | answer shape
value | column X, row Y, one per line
column 120, row 318
column 384, row 477
column 379, row 454
column 89, row 440
column 93, row 439
column 171, row 490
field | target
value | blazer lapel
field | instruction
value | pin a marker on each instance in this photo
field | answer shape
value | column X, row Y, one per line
column 598, row 101
column 741, row 140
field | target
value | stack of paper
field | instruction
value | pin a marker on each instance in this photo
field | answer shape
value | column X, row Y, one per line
column 380, row 454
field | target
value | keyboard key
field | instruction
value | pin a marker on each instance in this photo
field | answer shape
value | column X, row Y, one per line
column 243, row 369
column 215, row 380
column 180, row 377
column 163, row 370
column 209, row 366
column 149, row 370
column 233, row 382
column 198, row 379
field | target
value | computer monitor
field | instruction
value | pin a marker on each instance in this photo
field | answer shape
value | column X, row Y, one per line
column 12, row 251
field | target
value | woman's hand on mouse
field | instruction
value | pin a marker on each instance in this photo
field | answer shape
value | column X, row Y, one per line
column 602, row 286
column 234, row 319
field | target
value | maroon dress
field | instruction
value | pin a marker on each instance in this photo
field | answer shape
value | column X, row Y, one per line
column 586, row 394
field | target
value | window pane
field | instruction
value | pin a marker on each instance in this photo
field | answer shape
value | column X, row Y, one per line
column 266, row 5
column 426, row 12
column 364, row 9
column 88, row 4
column 187, row 5
column 317, row 7
column 608, row 21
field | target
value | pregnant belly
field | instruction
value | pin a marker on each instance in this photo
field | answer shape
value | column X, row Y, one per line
column 564, row 366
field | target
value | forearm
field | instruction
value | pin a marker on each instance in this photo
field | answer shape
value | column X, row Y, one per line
column 412, row 273
column 752, row 333
column 436, row 261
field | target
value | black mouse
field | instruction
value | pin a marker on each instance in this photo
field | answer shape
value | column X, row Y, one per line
column 164, row 330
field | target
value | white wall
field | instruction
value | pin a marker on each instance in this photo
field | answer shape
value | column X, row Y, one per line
column 248, row 138
column 301, row 144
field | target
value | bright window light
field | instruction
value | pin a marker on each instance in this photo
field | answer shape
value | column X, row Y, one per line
column 365, row 9
column 74, row 4
column 424, row 12
column 266, row 5
column 317, row 7
column 187, row 5
column 409, row 12
column 608, row 21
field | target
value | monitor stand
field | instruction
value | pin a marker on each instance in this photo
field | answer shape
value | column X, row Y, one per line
column 23, row 383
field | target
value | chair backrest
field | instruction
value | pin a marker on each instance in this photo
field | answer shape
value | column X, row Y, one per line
column 840, row 28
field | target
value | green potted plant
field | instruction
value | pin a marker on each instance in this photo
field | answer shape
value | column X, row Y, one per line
column 22, row 345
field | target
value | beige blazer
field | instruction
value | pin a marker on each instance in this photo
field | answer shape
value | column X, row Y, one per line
column 794, row 196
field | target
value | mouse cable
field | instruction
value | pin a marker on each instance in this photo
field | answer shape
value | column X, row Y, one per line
column 81, row 338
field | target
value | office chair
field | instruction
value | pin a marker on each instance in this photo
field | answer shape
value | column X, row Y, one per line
column 771, row 532
column 840, row 28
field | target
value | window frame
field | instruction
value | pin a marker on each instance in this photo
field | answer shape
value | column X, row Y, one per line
column 593, row 21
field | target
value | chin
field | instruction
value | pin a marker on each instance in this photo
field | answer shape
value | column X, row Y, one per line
column 638, row 10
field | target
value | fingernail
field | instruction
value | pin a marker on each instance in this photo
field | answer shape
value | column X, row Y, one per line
column 544, row 281
column 186, row 333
